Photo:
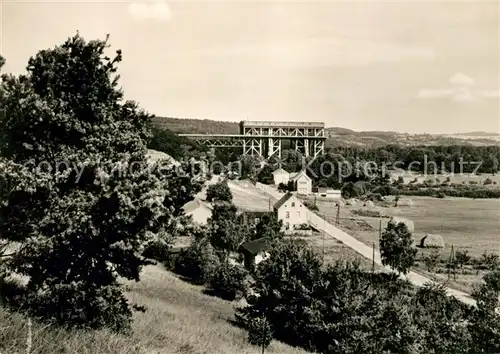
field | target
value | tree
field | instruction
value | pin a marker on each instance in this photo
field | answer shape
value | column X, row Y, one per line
column 219, row 192
column 462, row 258
column 396, row 249
column 249, row 165
column 432, row 260
column 174, row 145
column 226, row 229
column 76, row 191
column 485, row 323
column 269, row 226
column 265, row 175
column 260, row 332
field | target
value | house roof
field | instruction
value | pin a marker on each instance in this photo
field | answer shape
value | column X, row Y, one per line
column 295, row 177
column 194, row 204
column 279, row 170
column 254, row 247
column 283, row 200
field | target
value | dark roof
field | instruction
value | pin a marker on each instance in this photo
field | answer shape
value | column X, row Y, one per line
column 283, row 200
column 254, row 247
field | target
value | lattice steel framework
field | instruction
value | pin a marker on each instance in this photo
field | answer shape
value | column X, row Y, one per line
column 265, row 138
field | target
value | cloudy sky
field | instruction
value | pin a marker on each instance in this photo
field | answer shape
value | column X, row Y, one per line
column 409, row 66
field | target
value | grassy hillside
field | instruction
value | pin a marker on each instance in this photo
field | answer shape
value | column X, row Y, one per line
column 179, row 319
column 337, row 136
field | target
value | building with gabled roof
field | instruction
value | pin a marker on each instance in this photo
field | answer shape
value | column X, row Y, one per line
column 291, row 211
column 200, row 211
column 280, row 176
column 254, row 251
column 302, row 182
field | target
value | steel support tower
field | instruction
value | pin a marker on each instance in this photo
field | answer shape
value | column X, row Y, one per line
column 265, row 138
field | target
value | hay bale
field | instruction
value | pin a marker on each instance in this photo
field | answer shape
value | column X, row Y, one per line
column 369, row 204
column 409, row 223
column 405, row 202
column 432, row 241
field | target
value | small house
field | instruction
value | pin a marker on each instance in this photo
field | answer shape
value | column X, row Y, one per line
column 302, row 182
column 280, row 176
column 254, row 251
column 291, row 211
column 199, row 211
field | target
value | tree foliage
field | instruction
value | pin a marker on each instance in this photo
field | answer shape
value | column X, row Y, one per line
column 219, row 192
column 77, row 191
column 396, row 247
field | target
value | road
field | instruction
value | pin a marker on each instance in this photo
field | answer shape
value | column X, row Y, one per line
column 365, row 250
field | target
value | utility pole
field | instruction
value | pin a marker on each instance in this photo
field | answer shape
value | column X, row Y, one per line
column 324, row 234
column 337, row 221
column 379, row 231
column 373, row 258
column 453, row 262
column 450, row 262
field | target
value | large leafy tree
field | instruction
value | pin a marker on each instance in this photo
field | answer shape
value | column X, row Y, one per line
column 396, row 247
column 226, row 229
column 77, row 196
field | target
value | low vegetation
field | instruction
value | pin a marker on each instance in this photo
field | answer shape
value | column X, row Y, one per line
column 82, row 253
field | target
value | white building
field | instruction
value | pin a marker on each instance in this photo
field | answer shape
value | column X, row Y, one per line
column 327, row 193
column 280, row 176
column 291, row 211
column 199, row 210
column 302, row 182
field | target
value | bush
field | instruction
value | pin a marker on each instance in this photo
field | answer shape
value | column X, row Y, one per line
column 462, row 257
column 198, row 263
column 304, row 226
column 260, row 332
column 432, row 260
column 311, row 206
column 219, row 192
column 229, row 281
column 487, row 181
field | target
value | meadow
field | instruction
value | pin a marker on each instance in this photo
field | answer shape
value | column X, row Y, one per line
column 179, row 318
column 465, row 224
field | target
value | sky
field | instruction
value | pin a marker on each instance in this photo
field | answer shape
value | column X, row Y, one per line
column 416, row 67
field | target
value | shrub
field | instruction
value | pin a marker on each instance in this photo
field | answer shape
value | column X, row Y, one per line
column 311, row 206
column 489, row 260
column 462, row 257
column 487, row 181
column 229, row 281
column 198, row 263
column 432, row 260
column 260, row 332
column 219, row 192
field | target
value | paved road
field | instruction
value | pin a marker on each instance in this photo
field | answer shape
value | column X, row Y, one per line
column 366, row 250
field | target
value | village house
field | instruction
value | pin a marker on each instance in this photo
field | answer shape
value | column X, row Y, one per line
column 291, row 211
column 280, row 176
column 302, row 182
column 254, row 251
column 200, row 211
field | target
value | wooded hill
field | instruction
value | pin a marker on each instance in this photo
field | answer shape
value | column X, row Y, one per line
column 336, row 136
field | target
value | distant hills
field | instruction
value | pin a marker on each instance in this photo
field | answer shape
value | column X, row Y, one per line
column 337, row 136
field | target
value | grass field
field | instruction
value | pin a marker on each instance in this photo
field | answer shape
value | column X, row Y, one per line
column 179, row 319
column 467, row 224
column 248, row 198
